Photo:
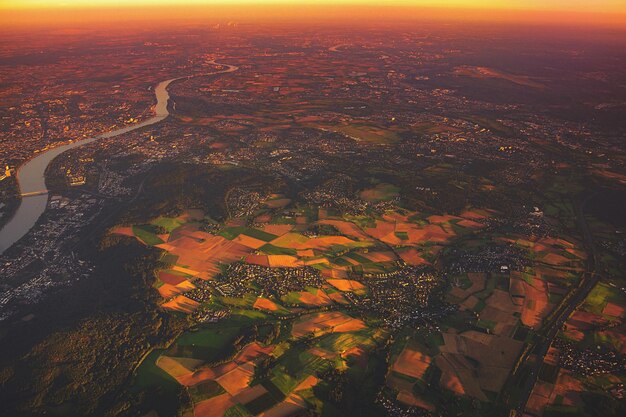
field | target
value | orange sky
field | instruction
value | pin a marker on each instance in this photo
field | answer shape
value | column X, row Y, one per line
column 553, row 12
column 605, row 6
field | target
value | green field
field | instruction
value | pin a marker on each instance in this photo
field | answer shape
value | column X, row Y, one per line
column 148, row 374
column 599, row 297
column 237, row 411
column 167, row 223
column 147, row 234
column 209, row 344
column 232, row 232
column 276, row 250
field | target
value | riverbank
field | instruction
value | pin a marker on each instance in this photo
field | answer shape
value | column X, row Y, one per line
column 31, row 175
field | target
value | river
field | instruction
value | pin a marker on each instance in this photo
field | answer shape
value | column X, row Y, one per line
column 31, row 175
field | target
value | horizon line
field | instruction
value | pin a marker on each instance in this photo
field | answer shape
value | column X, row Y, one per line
column 495, row 5
column 255, row 11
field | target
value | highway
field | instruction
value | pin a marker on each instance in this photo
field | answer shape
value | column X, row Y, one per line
column 525, row 374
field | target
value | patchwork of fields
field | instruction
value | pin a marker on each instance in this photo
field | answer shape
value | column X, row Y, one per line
column 263, row 342
column 291, row 304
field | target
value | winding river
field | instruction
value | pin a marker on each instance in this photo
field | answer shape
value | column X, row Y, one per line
column 31, row 175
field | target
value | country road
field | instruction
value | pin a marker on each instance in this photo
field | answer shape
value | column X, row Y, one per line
column 523, row 378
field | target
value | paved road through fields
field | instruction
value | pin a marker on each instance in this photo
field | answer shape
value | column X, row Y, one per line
column 524, row 377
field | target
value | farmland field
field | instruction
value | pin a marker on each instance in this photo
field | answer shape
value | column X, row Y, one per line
column 312, row 210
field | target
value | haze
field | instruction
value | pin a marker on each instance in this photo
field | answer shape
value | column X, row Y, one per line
column 554, row 12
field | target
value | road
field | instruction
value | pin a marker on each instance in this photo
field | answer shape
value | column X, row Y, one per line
column 525, row 374
column 31, row 175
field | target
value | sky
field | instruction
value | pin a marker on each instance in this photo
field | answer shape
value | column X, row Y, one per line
column 606, row 13
column 595, row 6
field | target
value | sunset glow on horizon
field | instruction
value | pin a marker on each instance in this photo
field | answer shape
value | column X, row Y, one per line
column 609, row 13
column 594, row 6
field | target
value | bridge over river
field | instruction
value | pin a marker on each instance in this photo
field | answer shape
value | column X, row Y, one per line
column 31, row 175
